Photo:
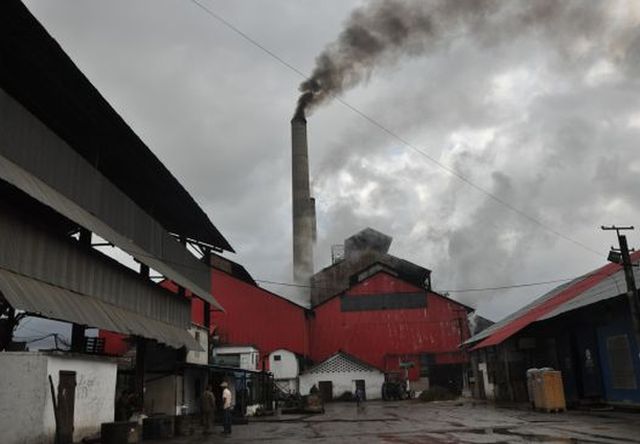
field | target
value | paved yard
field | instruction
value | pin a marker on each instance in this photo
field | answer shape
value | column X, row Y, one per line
column 446, row 422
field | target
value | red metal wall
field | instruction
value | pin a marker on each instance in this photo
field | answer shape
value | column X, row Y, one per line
column 254, row 316
column 114, row 343
column 383, row 338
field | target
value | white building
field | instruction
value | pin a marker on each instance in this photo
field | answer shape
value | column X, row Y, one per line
column 243, row 357
column 201, row 335
column 342, row 373
column 26, row 408
column 283, row 364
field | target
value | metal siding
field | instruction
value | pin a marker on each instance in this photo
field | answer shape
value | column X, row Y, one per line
column 31, row 251
column 53, row 302
column 620, row 326
column 613, row 286
column 36, row 161
column 36, row 71
column 257, row 317
column 376, row 334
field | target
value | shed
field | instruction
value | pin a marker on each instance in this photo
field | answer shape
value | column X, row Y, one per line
column 583, row 328
column 284, row 366
column 341, row 373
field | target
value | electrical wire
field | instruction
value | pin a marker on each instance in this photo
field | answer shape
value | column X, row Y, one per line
column 461, row 290
column 394, row 135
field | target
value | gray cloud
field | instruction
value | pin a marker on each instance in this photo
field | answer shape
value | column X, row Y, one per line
column 534, row 101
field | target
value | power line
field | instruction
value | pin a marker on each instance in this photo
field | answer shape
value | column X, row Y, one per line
column 394, row 135
column 463, row 290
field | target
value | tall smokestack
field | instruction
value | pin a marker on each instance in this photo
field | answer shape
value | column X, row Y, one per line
column 304, row 211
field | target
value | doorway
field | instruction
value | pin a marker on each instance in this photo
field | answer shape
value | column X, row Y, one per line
column 326, row 390
column 360, row 387
column 66, row 405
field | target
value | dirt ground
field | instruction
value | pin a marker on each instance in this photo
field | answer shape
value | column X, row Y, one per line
column 433, row 423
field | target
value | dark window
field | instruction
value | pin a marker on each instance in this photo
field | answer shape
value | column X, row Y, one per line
column 383, row 301
column 426, row 361
column 277, row 357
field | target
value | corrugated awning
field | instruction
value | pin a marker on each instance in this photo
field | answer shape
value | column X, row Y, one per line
column 165, row 256
column 580, row 292
column 40, row 298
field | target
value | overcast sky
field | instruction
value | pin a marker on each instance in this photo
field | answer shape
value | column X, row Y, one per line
column 543, row 113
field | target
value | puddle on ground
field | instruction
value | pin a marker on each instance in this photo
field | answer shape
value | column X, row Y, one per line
column 414, row 439
column 503, row 435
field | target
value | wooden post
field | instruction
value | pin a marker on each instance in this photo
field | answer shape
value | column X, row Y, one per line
column 508, row 372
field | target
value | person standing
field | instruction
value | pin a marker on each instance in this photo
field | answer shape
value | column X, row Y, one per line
column 227, row 406
column 359, row 397
column 208, row 409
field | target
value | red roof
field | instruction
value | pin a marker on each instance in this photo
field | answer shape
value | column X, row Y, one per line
column 538, row 311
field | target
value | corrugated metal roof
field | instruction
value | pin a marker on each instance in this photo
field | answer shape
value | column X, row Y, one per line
column 604, row 283
column 164, row 254
column 40, row 298
column 611, row 287
column 36, row 71
column 518, row 313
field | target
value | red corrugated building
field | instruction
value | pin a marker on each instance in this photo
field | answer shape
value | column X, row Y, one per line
column 369, row 304
column 253, row 316
column 391, row 323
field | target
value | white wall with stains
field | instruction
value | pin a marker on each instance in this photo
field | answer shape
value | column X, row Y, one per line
column 26, row 409
column 23, row 397
column 345, row 382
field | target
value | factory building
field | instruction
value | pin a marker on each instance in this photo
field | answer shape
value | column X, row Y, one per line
column 584, row 328
column 388, row 316
column 254, row 316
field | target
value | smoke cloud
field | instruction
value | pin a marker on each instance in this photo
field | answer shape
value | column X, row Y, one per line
column 383, row 31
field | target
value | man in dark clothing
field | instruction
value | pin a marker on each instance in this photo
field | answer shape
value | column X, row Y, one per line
column 208, row 409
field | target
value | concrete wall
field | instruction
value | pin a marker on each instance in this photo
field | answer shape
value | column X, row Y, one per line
column 23, row 390
column 26, row 409
column 345, row 382
column 286, row 367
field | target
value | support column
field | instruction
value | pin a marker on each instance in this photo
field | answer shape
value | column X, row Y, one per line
column 623, row 258
column 78, row 331
column 141, row 349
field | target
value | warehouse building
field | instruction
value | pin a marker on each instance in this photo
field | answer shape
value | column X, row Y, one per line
column 582, row 328
column 72, row 173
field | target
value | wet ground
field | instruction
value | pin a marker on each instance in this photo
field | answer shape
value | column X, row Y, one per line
column 409, row 422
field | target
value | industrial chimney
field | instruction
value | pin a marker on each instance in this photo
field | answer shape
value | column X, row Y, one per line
column 304, row 209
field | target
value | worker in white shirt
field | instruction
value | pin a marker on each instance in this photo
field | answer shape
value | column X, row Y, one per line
column 227, row 407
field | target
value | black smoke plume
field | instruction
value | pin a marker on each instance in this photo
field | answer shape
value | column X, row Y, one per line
column 382, row 31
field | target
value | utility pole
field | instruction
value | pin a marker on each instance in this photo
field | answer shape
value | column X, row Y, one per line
column 621, row 256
